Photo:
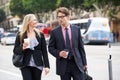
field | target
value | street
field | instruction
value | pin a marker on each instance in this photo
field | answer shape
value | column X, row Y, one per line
column 97, row 58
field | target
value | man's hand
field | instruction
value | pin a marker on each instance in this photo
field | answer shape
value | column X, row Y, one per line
column 85, row 67
column 63, row 54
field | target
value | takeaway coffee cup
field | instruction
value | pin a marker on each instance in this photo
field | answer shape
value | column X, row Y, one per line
column 27, row 40
column 67, row 52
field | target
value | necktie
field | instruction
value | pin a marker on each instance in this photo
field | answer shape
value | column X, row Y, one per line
column 67, row 39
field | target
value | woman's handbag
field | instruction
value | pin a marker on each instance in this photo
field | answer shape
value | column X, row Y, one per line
column 18, row 60
column 87, row 76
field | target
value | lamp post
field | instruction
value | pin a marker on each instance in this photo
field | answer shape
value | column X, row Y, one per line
column 110, row 62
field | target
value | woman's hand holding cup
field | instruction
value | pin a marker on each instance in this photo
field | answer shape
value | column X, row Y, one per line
column 26, row 43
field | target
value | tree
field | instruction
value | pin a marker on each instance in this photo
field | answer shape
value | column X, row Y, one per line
column 2, row 15
column 75, row 6
column 39, row 7
column 16, row 8
column 69, row 3
column 102, row 6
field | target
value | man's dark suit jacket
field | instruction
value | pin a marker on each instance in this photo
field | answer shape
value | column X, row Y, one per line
column 39, row 53
column 57, row 44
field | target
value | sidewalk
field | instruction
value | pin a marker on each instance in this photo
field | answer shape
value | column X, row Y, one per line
column 115, row 44
column 97, row 58
column 52, row 75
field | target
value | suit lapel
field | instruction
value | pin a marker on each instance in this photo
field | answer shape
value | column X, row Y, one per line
column 61, row 35
column 73, row 35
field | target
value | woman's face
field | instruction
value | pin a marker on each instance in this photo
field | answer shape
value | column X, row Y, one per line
column 33, row 22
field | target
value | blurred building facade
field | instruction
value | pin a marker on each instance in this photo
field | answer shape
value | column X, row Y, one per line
column 10, row 21
column 4, row 4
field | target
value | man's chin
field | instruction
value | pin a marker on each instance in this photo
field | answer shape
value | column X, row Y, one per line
column 62, row 24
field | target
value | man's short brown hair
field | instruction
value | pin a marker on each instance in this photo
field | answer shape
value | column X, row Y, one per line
column 63, row 10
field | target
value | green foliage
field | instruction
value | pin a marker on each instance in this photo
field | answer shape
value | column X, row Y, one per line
column 69, row 3
column 49, row 5
column 17, row 8
column 28, row 5
column 114, row 2
column 39, row 5
column 58, row 3
column 2, row 15
column 21, row 7
column 89, row 3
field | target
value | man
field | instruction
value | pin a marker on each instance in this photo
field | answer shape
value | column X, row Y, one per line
column 66, row 45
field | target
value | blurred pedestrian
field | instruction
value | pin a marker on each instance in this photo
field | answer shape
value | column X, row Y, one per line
column 66, row 45
column 31, row 43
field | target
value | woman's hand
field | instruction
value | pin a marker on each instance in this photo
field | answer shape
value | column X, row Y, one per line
column 47, row 70
column 25, row 45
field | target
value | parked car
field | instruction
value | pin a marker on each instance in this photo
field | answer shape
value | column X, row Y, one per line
column 8, row 38
column 1, row 35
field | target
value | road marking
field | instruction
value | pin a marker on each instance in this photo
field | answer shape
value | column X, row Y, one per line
column 10, row 73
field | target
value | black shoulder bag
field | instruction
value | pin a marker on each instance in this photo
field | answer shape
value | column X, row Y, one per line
column 18, row 60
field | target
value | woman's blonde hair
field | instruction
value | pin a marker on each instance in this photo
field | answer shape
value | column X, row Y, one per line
column 27, row 19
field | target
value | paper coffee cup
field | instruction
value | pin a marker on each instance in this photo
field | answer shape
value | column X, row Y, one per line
column 66, row 54
column 27, row 40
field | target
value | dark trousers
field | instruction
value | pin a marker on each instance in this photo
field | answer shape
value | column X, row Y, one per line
column 31, row 73
column 72, row 72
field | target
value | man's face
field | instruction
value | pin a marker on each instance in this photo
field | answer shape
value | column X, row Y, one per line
column 62, row 19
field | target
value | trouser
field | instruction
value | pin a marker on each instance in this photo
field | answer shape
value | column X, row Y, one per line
column 72, row 72
column 31, row 73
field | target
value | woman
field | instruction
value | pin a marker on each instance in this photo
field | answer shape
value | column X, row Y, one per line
column 31, row 43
